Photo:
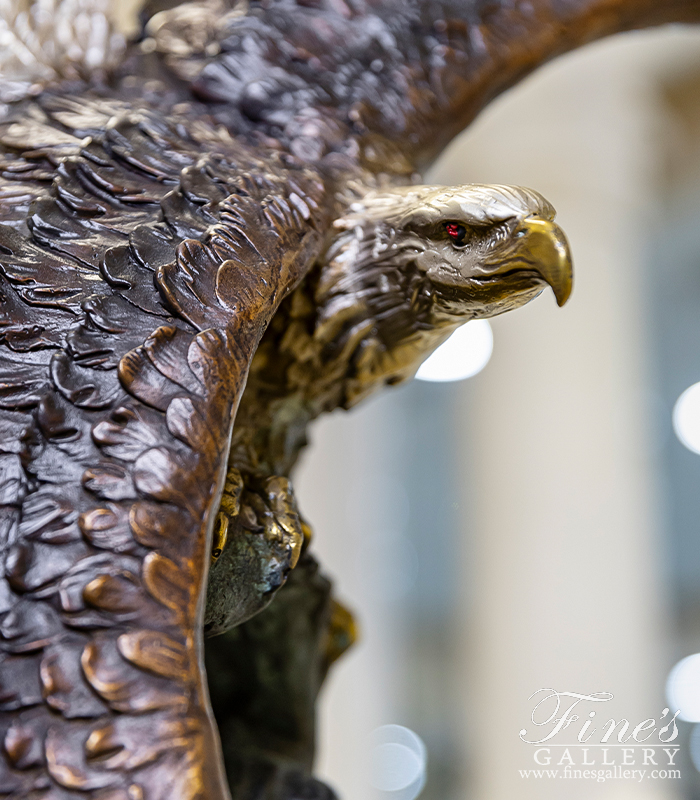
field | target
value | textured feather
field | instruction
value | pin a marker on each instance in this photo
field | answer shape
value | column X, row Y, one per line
column 134, row 294
column 42, row 41
column 143, row 250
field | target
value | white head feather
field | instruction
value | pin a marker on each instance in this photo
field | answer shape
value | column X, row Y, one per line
column 42, row 41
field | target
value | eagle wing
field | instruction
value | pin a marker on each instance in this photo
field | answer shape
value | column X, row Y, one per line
column 140, row 261
column 398, row 78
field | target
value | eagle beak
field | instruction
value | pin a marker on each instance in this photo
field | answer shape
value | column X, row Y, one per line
column 543, row 246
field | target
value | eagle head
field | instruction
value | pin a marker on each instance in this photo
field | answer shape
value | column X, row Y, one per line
column 483, row 249
column 408, row 265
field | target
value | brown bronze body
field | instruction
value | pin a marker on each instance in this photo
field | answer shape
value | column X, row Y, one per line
column 199, row 254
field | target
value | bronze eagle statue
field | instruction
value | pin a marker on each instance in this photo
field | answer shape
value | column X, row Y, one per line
column 206, row 241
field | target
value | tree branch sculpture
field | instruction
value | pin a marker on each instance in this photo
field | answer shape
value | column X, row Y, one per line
column 200, row 252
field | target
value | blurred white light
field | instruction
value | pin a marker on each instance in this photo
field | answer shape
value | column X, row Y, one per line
column 399, row 761
column 464, row 354
column 394, row 767
column 686, row 418
column 683, row 688
column 695, row 747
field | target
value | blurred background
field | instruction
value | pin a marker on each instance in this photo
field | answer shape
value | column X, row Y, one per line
column 534, row 526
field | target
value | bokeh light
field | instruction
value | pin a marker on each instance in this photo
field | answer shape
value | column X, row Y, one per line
column 683, row 688
column 695, row 747
column 399, row 760
column 686, row 418
column 464, row 354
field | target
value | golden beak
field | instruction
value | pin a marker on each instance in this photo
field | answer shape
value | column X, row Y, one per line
column 542, row 245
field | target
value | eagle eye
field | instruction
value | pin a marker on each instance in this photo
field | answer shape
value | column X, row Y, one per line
column 456, row 232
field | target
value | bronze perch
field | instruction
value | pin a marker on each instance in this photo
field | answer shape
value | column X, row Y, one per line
column 205, row 243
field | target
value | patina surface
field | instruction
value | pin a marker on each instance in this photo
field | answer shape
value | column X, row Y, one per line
column 198, row 256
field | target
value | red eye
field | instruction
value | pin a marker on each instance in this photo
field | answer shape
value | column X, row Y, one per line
column 456, row 232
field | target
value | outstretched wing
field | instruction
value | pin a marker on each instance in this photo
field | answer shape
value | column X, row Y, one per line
column 140, row 261
column 400, row 78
